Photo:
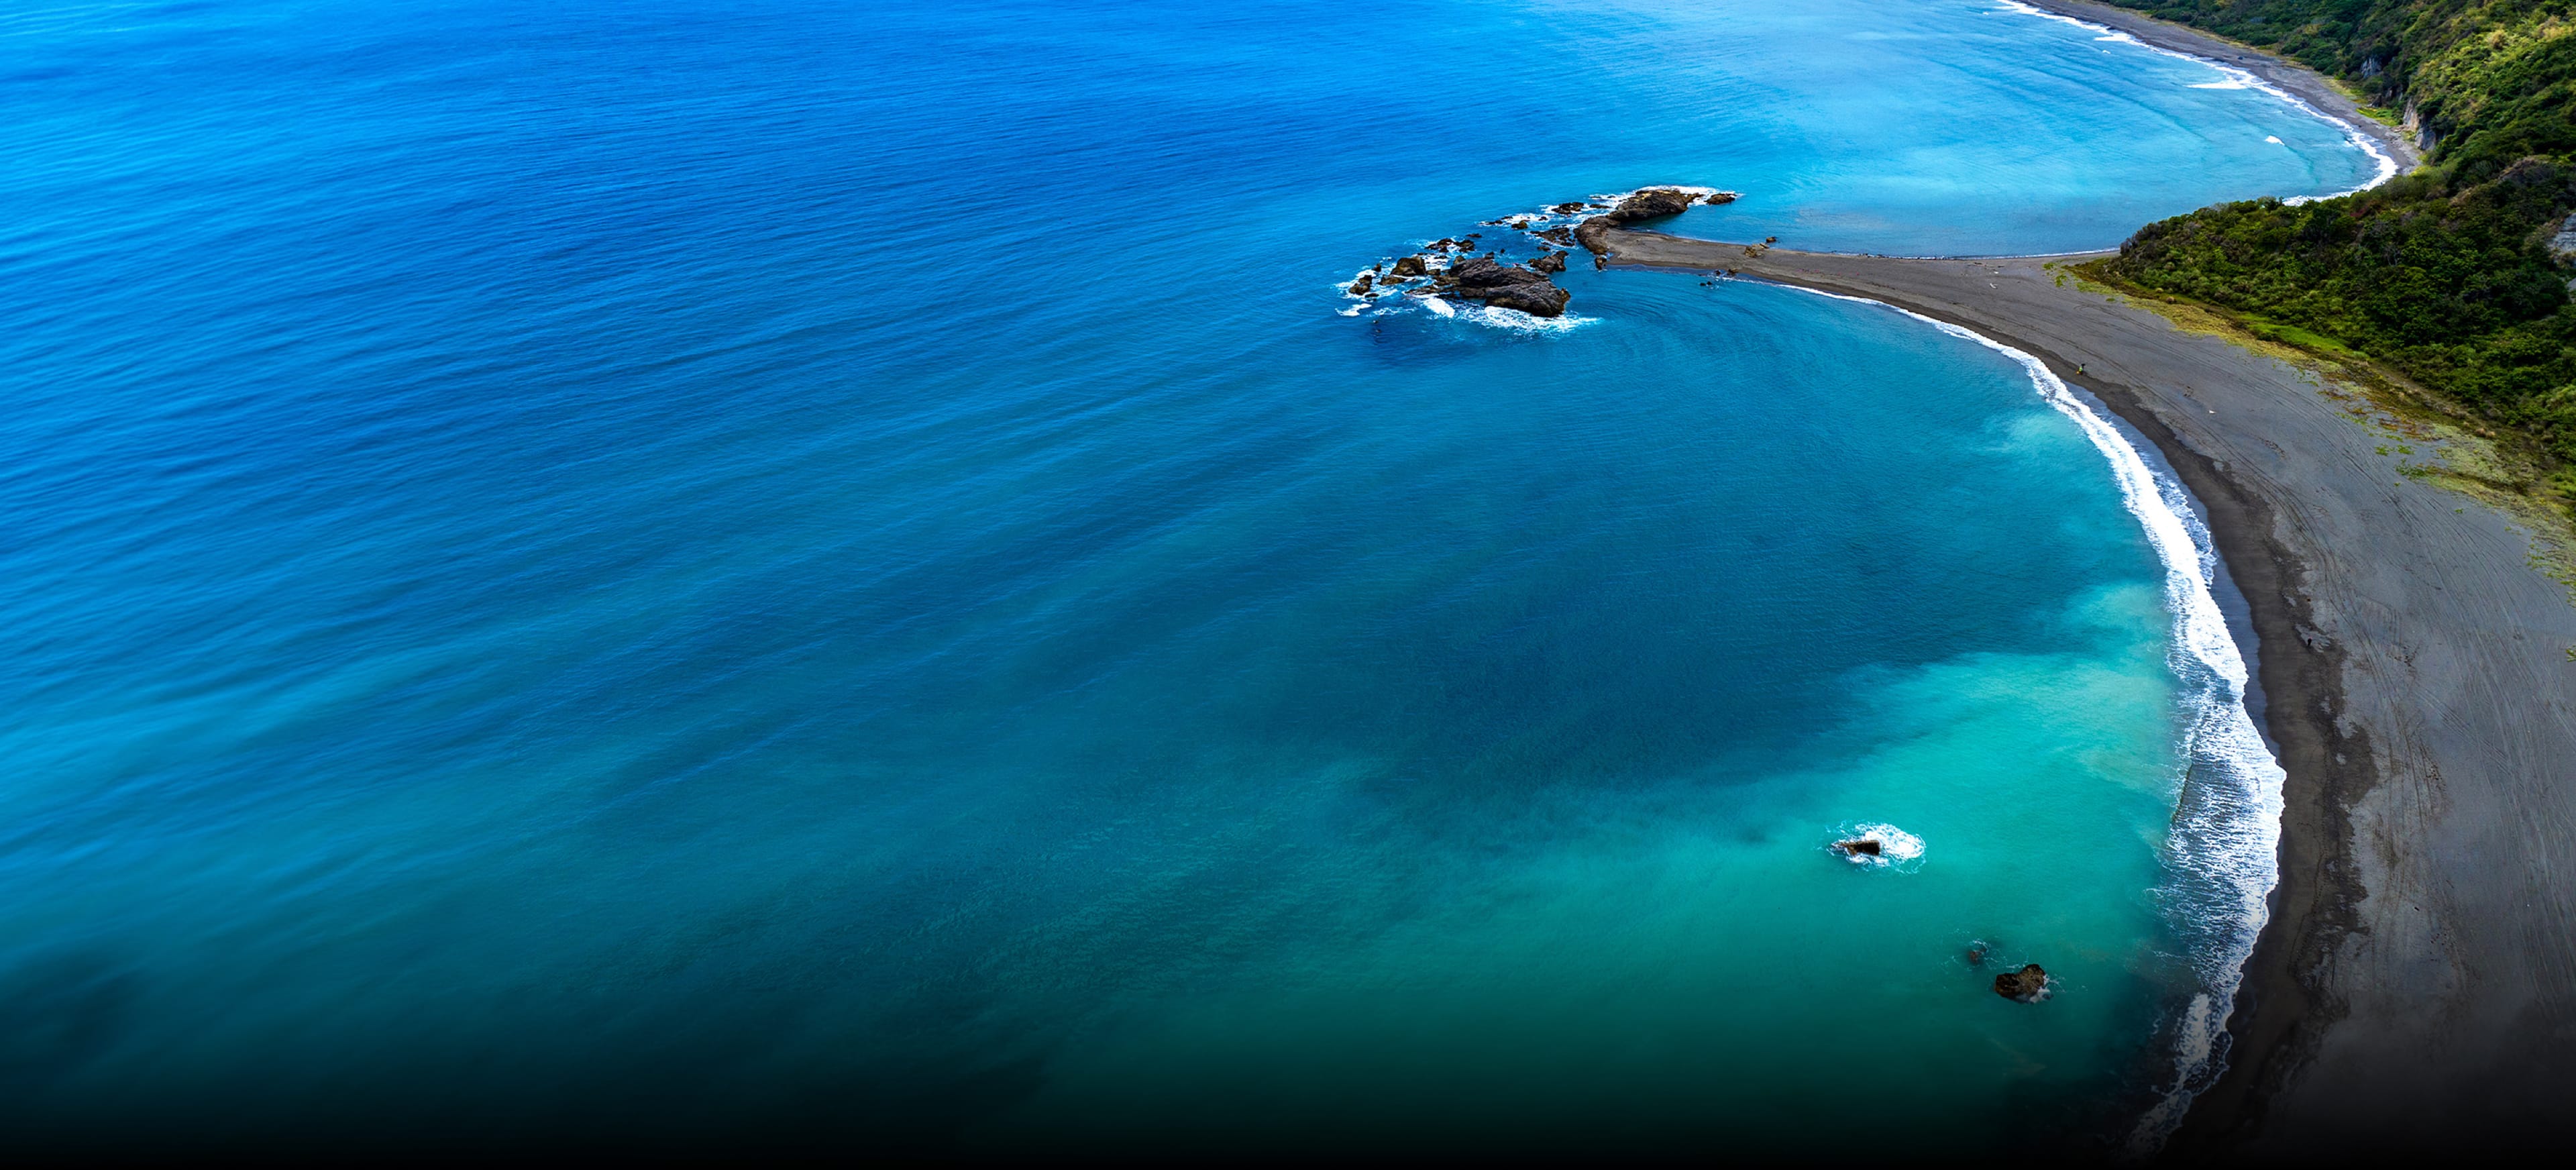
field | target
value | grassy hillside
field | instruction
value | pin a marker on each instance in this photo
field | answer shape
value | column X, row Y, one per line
column 2445, row 275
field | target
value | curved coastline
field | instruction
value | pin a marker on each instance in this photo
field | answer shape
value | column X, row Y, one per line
column 2227, row 819
column 2411, row 698
column 2284, row 78
column 2281, row 1000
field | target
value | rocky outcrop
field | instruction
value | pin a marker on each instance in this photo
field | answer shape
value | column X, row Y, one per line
column 1537, row 300
column 1481, row 272
column 2023, row 986
column 2426, row 136
column 1508, row 286
column 1863, row 847
column 1594, row 235
column 1651, row 203
column 1453, row 267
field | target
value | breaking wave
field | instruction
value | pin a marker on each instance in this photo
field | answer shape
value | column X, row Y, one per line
column 2233, row 78
column 2223, row 853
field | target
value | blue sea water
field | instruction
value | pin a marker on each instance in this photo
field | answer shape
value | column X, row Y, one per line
column 798, row 572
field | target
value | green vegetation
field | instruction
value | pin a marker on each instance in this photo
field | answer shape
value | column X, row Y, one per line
column 2444, row 276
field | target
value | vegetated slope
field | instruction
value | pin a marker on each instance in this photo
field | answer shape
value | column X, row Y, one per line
column 2447, row 274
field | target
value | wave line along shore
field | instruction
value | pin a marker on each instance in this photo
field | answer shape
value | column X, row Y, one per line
column 2400, row 708
column 2422, row 928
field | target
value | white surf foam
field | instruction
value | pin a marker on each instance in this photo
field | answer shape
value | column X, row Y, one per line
column 1518, row 321
column 1897, row 849
column 2232, row 77
column 2227, row 819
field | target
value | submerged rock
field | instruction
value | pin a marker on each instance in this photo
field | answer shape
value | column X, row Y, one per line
column 2023, row 986
column 1720, row 198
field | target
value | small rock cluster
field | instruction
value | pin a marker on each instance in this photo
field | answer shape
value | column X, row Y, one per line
column 2028, row 985
column 1453, row 268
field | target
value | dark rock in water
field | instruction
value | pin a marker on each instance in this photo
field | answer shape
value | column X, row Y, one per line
column 1859, row 848
column 1720, row 198
column 1537, row 300
column 1770, row 239
column 2024, row 986
column 1566, row 208
column 1594, row 235
column 1360, row 287
column 1409, row 266
column 1552, row 262
column 1976, row 954
column 1482, row 272
column 1651, row 203
column 1559, row 235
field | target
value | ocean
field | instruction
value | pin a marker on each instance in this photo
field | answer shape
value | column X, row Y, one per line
column 696, row 574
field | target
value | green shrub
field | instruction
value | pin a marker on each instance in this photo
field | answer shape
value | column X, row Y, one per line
column 2445, row 274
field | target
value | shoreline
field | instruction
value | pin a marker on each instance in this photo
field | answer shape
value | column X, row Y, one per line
column 2381, row 699
column 2272, row 999
column 2221, row 761
column 2284, row 1002
column 2301, row 83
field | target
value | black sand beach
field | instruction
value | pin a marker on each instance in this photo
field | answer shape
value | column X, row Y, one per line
column 2416, row 983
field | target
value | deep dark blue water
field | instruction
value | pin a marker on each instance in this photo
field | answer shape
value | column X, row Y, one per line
column 791, row 571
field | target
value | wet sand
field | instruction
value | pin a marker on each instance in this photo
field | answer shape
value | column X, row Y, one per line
column 2416, row 986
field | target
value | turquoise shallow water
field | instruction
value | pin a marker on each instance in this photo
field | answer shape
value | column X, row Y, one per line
column 793, row 572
